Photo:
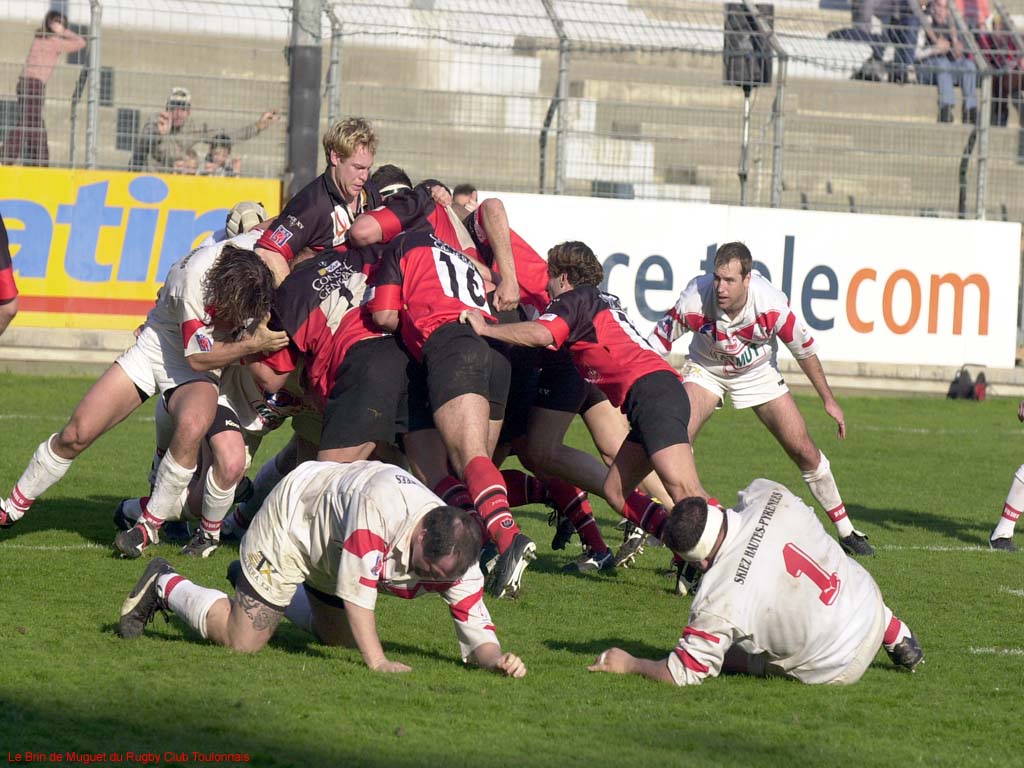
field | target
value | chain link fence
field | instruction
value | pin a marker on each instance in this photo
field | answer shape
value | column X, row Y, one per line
column 625, row 98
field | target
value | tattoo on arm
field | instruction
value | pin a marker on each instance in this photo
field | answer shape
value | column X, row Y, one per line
column 263, row 618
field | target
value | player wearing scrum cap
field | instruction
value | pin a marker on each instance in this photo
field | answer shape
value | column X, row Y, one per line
column 778, row 597
column 244, row 216
column 342, row 532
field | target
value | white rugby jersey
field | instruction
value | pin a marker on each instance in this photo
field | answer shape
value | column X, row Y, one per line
column 355, row 528
column 732, row 346
column 260, row 413
column 780, row 585
column 179, row 312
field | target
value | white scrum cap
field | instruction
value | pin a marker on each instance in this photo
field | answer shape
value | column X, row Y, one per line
column 708, row 538
column 244, row 216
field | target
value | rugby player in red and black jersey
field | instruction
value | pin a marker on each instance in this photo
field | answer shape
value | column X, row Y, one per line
column 612, row 354
column 8, row 289
column 321, row 214
column 423, row 285
column 353, row 369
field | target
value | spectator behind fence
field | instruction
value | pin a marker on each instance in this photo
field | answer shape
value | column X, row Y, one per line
column 943, row 63
column 218, row 160
column 901, row 20
column 1001, row 52
column 167, row 138
column 27, row 142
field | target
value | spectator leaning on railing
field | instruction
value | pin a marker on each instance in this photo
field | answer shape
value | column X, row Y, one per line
column 27, row 143
column 944, row 64
column 167, row 138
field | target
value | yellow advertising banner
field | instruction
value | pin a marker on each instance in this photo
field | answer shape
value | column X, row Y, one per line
column 91, row 248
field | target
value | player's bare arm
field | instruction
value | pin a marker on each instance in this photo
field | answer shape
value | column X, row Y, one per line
column 528, row 334
column 811, row 366
column 489, row 656
column 275, row 263
column 365, row 231
column 267, row 378
column 620, row 662
column 495, row 224
column 386, row 319
column 261, row 341
column 363, row 623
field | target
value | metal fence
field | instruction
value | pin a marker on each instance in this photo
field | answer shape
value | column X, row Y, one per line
column 612, row 97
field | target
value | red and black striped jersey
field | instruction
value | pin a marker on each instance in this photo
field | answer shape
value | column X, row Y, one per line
column 531, row 269
column 429, row 283
column 316, row 217
column 415, row 210
column 320, row 306
column 606, row 347
column 8, row 289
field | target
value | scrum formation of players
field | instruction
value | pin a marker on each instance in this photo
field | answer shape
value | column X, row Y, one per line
column 416, row 340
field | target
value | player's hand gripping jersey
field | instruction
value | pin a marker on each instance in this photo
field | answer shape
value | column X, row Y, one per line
column 606, row 347
column 346, row 530
column 180, row 316
column 823, row 603
column 415, row 210
column 732, row 346
column 429, row 283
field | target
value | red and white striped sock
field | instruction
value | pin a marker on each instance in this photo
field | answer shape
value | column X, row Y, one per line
column 823, row 487
column 574, row 504
column 895, row 630
column 44, row 470
column 645, row 512
column 188, row 600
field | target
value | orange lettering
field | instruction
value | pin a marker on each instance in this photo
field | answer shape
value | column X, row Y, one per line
column 860, row 326
column 958, row 283
column 915, row 301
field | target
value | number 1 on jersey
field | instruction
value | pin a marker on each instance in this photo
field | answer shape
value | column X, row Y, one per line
column 799, row 563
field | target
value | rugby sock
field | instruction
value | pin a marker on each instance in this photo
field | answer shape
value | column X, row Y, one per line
column 895, row 630
column 522, row 488
column 645, row 512
column 164, row 433
column 299, row 612
column 1012, row 508
column 574, row 504
column 188, row 600
column 823, row 488
column 490, row 497
column 44, row 469
column 453, row 492
column 216, row 503
column 165, row 502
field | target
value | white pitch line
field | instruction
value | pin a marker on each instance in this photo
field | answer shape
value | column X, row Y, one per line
column 929, row 431
column 933, row 548
column 51, row 547
column 1017, row 592
column 42, row 417
column 997, row 651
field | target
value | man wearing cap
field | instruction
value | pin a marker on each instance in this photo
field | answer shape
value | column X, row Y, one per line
column 169, row 135
column 778, row 597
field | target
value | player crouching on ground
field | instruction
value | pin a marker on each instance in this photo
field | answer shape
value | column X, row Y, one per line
column 342, row 531
column 779, row 597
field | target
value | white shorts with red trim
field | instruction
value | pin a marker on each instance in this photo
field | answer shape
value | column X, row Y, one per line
column 271, row 562
column 746, row 390
column 156, row 363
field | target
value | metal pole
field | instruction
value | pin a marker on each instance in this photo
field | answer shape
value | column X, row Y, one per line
column 92, row 114
column 333, row 67
column 984, row 119
column 745, row 146
column 561, row 95
column 778, row 117
column 305, row 60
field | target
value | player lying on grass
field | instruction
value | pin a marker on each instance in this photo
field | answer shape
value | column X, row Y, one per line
column 736, row 318
column 341, row 531
column 778, row 597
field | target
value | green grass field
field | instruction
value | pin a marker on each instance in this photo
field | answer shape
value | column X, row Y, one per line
column 924, row 478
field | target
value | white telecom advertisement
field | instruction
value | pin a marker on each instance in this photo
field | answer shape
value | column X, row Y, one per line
column 883, row 289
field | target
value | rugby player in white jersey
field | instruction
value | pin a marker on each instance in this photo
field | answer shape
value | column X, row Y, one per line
column 778, row 597
column 341, row 532
column 736, row 316
column 209, row 313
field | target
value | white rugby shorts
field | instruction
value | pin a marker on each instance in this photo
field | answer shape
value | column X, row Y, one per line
column 156, row 363
column 756, row 387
